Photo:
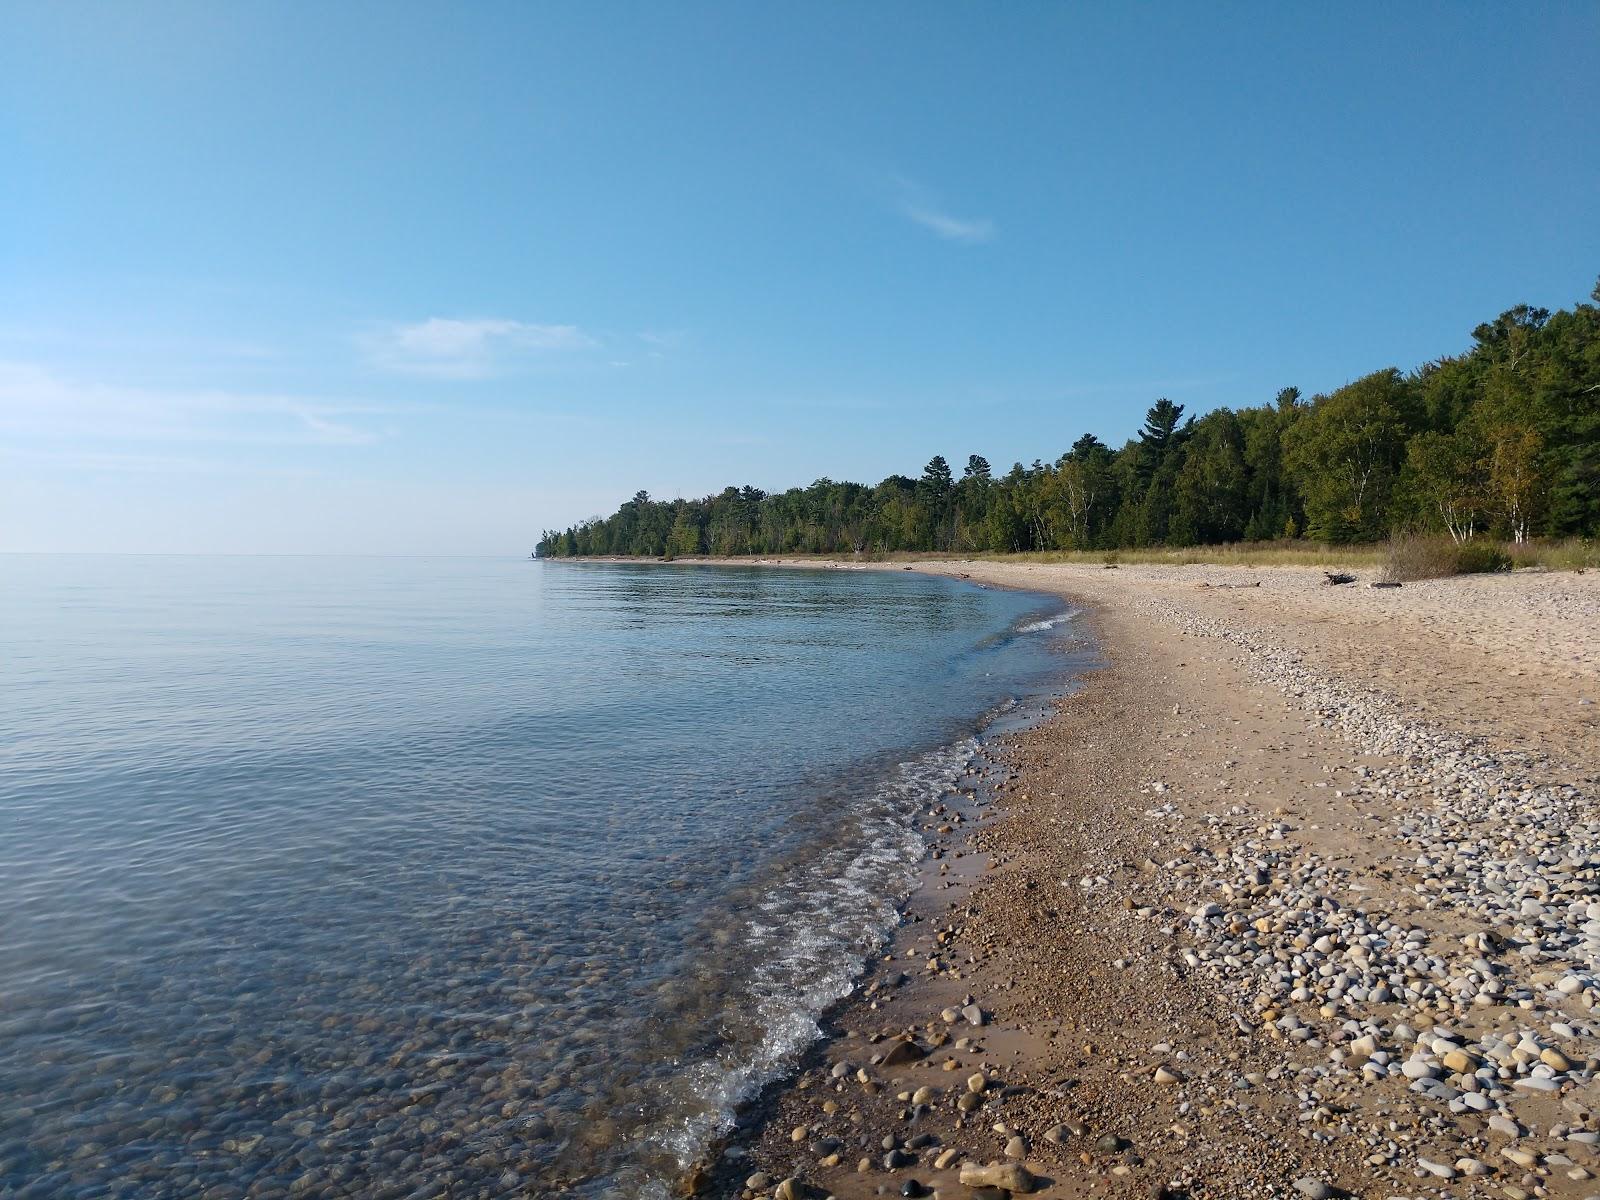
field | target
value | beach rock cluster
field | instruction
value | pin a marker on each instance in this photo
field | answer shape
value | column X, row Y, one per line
column 1316, row 946
column 1458, row 966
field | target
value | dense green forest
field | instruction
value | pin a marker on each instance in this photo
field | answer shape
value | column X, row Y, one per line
column 1501, row 441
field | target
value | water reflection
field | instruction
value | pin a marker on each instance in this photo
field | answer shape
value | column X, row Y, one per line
column 341, row 877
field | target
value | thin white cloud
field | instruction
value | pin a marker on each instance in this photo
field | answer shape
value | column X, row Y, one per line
column 40, row 404
column 467, row 348
column 334, row 432
column 953, row 229
column 659, row 343
column 917, row 204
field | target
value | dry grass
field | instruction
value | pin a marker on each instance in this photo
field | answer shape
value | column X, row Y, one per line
column 1481, row 554
column 1232, row 554
column 1568, row 554
column 1412, row 556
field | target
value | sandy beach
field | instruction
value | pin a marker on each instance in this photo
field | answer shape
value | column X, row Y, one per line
column 1297, row 896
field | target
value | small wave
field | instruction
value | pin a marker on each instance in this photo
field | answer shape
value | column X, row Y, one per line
column 1047, row 623
column 807, row 940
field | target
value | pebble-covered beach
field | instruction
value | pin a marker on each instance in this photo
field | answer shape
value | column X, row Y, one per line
column 1262, row 911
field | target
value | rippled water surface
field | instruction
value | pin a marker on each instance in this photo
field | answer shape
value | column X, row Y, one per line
column 388, row 877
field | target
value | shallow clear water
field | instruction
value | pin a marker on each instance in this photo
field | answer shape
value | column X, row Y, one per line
column 364, row 877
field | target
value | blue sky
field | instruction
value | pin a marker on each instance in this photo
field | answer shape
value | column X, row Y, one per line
column 406, row 278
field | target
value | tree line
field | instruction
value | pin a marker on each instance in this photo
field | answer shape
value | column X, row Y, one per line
column 1501, row 441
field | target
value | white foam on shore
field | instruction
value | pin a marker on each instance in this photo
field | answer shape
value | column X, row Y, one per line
column 807, row 940
column 1048, row 623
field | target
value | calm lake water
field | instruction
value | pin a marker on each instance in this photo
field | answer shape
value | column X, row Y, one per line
column 414, row 877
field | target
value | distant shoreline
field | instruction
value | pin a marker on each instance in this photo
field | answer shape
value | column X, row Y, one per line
column 821, row 562
column 1569, row 555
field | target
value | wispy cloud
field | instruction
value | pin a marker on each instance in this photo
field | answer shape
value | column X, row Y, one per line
column 467, row 348
column 659, row 343
column 953, row 229
column 39, row 403
column 916, row 203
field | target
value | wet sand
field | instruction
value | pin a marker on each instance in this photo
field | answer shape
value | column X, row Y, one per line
column 1295, row 897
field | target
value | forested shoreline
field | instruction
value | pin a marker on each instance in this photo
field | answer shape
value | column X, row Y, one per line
column 1501, row 441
